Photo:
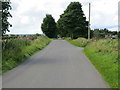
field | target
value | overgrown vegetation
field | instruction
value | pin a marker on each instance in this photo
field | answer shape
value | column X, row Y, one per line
column 16, row 51
column 80, row 42
column 103, row 54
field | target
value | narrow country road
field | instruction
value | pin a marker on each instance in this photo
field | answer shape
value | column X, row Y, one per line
column 59, row 65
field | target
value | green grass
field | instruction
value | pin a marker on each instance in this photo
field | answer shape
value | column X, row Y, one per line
column 15, row 51
column 103, row 54
column 80, row 42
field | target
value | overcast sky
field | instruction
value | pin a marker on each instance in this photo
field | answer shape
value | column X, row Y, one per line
column 28, row 14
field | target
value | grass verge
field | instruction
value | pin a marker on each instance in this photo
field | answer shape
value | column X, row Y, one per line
column 103, row 54
column 15, row 51
column 80, row 42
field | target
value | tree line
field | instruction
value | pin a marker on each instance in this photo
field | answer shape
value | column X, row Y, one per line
column 103, row 33
column 72, row 23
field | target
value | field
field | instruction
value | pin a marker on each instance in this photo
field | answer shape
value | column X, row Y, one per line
column 15, row 51
column 103, row 54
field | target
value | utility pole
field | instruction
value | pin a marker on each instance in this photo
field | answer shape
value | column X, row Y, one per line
column 89, row 22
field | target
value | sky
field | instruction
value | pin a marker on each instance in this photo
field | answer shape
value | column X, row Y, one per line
column 27, row 15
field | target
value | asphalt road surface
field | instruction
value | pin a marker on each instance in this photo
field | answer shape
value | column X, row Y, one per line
column 59, row 65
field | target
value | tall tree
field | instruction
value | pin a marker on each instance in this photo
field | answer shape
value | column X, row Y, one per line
column 5, row 14
column 49, row 26
column 73, row 22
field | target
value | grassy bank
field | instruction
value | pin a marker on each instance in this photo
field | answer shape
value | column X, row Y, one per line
column 15, row 51
column 103, row 54
column 80, row 42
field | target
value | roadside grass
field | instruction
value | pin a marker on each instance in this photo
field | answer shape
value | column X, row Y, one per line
column 103, row 54
column 80, row 42
column 15, row 51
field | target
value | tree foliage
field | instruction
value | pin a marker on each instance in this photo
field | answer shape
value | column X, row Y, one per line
column 5, row 14
column 101, row 33
column 49, row 26
column 72, row 22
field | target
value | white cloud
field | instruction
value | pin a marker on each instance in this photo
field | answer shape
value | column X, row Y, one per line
column 25, row 20
column 28, row 14
column 104, row 13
